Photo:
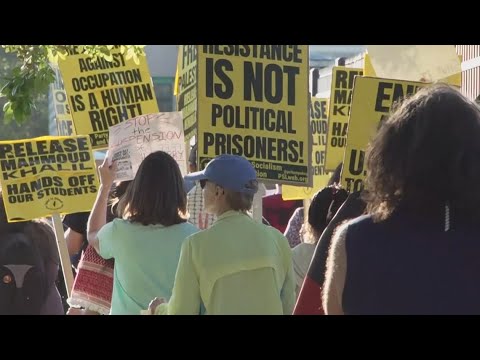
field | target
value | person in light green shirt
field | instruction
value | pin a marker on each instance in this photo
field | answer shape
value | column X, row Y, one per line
column 237, row 266
column 146, row 242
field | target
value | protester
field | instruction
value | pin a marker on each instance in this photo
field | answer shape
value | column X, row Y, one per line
column 294, row 229
column 93, row 286
column 309, row 300
column 146, row 241
column 237, row 266
column 417, row 250
column 278, row 211
column 323, row 207
column 296, row 222
column 29, row 264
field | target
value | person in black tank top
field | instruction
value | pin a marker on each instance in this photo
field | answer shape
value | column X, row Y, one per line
column 418, row 249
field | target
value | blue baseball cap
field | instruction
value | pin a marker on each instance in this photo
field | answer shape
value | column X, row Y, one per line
column 231, row 172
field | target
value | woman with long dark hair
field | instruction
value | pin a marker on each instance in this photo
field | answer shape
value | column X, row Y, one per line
column 146, row 241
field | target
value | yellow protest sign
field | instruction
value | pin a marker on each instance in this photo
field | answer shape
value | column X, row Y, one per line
column 368, row 69
column 253, row 102
column 63, row 118
column 455, row 79
column 187, row 88
column 177, row 75
column 318, row 125
column 103, row 93
column 339, row 108
column 47, row 175
column 414, row 62
column 371, row 103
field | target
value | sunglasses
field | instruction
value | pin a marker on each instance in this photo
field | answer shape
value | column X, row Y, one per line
column 203, row 183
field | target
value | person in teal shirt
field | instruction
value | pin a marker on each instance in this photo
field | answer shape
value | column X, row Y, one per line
column 146, row 241
column 237, row 266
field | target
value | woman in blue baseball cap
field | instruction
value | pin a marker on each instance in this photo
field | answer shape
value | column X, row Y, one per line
column 237, row 266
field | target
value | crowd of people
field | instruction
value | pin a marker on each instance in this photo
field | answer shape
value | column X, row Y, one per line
column 165, row 245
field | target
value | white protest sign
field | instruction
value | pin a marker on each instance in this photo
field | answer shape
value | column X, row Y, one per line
column 132, row 140
column 426, row 63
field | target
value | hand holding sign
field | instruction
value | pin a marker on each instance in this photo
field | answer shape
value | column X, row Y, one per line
column 107, row 172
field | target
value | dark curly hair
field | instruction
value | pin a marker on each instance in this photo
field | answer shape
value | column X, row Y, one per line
column 427, row 155
column 325, row 204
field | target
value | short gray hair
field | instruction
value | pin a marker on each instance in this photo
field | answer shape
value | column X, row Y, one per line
column 241, row 201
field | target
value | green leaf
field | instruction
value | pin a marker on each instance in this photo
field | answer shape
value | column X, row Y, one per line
column 19, row 114
column 39, row 84
column 104, row 51
column 130, row 54
column 136, row 60
column 7, row 106
column 5, row 89
column 8, row 116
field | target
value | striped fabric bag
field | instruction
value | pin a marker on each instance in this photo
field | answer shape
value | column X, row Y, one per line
column 93, row 284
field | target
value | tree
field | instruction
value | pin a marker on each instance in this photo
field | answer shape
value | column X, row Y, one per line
column 39, row 119
column 29, row 80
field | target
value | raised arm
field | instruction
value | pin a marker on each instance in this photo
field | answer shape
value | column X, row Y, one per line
column 98, row 216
